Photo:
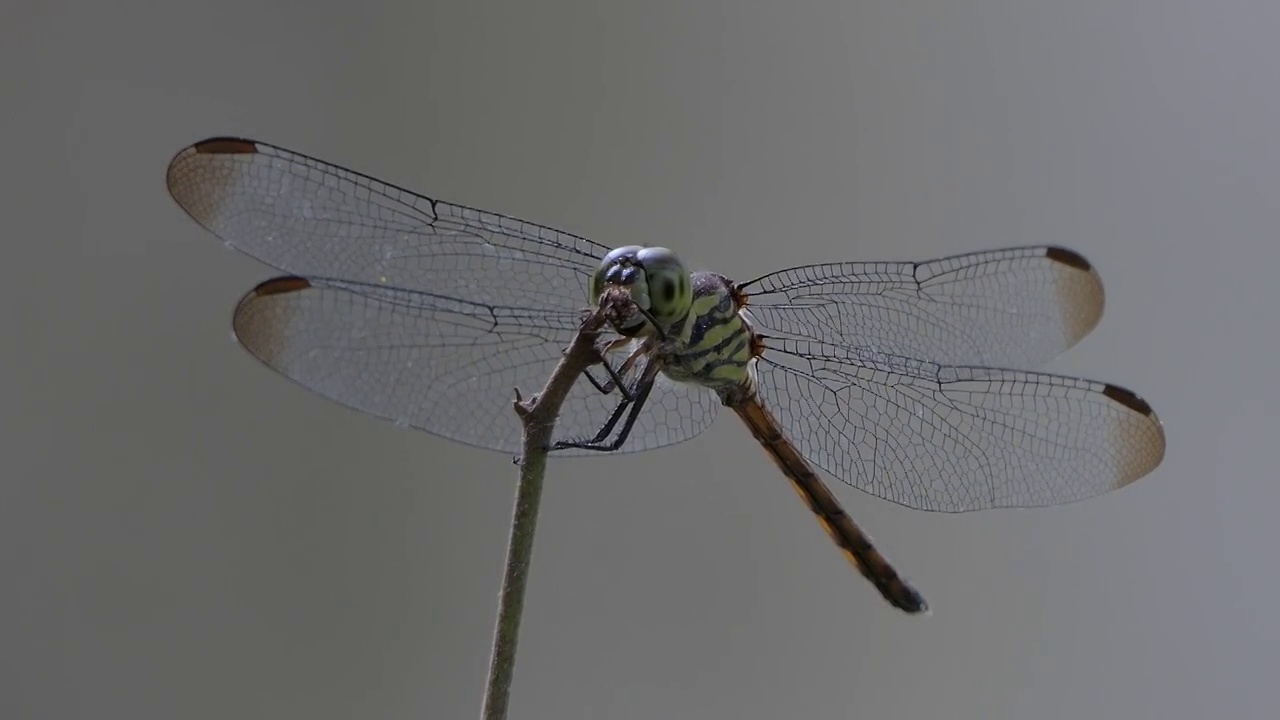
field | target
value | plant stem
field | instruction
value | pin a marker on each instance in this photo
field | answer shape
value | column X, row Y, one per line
column 538, row 415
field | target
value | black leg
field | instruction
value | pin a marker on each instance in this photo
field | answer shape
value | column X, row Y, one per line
column 595, row 442
column 636, row 407
column 615, row 381
column 652, row 322
column 636, row 401
column 627, row 399
column 615, row 377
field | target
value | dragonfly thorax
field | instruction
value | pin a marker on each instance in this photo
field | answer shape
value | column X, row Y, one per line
column 713, row 345
column 654, row 279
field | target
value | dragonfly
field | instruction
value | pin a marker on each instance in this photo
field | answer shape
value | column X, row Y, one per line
column 888, row 376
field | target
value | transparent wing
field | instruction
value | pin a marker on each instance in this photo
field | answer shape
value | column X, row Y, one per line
column 412, row 309
column 1013, row 307
column 950, row 438
column 440, row 365
column 310, row 218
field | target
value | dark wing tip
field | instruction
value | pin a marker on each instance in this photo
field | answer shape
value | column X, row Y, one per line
column 1070, row 258
column 1129, row 399
column 280, row 286
column 178, row 170
column 225, row 146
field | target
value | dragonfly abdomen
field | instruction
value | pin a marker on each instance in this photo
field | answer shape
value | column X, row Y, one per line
column 851, row 539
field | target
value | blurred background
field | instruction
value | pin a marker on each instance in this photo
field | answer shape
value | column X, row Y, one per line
column 184, row 533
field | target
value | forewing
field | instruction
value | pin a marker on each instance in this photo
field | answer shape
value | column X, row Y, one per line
column 440, row 364
column 952, row 439
column 1013, row 307
column 308, row 217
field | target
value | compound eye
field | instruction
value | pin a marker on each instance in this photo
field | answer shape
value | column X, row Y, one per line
column 670, row 292
column 616, row 257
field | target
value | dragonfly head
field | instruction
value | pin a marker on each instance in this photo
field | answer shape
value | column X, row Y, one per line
column 654, row 279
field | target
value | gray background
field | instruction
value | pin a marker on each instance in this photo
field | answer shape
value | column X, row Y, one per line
column 185, row 534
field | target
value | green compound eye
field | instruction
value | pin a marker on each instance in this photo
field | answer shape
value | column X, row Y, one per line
column 670, row 294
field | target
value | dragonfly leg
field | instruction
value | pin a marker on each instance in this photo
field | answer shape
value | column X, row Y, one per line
column 615, row 375
column 604, row 388
column 653, row 323
column 634, row 399
column 614, row 382
column 628, row 397
column 596, row 443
